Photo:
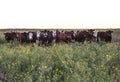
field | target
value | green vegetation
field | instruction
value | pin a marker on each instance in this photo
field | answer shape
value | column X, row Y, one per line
column 74, row 62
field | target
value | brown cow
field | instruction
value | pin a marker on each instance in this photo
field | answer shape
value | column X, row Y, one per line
column 105, row 36
column 84, row 36
column 64, row 36
column 10, row 36
column 80, row 36
column 22, row 37
column 90, row 35
column 68, row 36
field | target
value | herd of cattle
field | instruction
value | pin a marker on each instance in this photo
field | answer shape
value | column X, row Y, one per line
column 49, row 36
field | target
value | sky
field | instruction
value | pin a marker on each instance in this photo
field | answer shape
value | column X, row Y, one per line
column 55, row 14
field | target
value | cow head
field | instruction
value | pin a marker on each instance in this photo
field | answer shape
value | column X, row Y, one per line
column 45, row 34
column 91, row 31
column 54, row 33
column 74, row 33
column 38, row 34
column 109, row 31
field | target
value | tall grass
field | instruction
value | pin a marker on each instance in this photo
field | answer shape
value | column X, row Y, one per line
column 74, row 62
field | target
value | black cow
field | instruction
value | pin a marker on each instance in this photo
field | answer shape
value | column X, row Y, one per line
column 31, row 36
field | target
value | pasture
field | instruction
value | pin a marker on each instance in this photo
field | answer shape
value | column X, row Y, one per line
column 62, row 62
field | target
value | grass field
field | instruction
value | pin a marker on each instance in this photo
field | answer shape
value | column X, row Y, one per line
column 73, row 62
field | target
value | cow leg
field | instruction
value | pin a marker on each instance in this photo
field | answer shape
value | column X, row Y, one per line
column 38, row 42
column 54, row 40
column 98, row 39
